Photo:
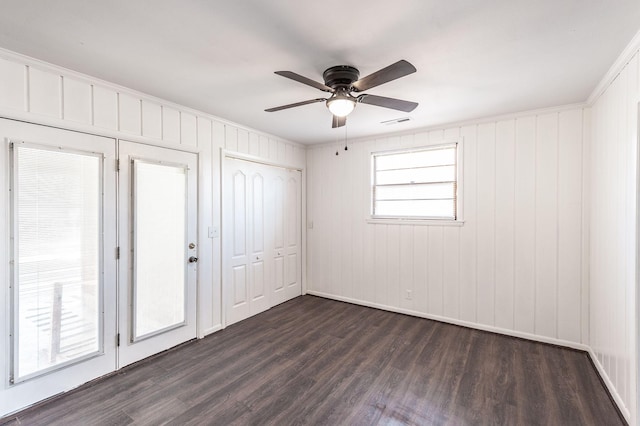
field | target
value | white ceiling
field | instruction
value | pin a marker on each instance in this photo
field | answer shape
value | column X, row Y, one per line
column 474, row 58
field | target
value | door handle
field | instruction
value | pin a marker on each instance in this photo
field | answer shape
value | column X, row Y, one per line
column 193, row 259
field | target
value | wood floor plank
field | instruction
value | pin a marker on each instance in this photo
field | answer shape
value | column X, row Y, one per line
column 322, row 362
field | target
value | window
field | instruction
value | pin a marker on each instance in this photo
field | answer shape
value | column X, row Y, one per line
column 420, row 183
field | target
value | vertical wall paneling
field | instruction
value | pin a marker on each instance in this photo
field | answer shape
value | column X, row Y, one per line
column 451, row 246
column 151, row 120
column 231, row 138
column 205, row 223
column 281, row 155
column 569, row 224
column 546, row 224
column 406, row 267
column 188, row 131
column 612, row 174
column 525, row 225
column 632, row 357
column 486, row 242
column 44, row 92
column 264, row 146
column 505, row 223
column 77, row 101
column 420, row 269
column 500, row 268
column 435, row 266
column 130, row 112
column 254, row 144
column 105, row 108
column 393, row 291
column 12, row 85
column 243, row 141
column 469, row 232
column 273, row 150
column 170, row 125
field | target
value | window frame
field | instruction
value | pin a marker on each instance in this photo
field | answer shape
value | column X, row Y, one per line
column 417, row 220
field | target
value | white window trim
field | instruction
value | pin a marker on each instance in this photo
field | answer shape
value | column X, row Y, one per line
column 459, row 221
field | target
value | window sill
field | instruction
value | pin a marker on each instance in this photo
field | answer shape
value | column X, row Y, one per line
column 423, row 222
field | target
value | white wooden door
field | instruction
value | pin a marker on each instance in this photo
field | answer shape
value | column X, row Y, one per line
column 59, row 315
column 261, row 237
column 246, row 267
column 287, row 240
column 293, row 236
column 158, row 247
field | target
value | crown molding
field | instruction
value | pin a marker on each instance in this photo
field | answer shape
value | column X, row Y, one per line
column 623, row 59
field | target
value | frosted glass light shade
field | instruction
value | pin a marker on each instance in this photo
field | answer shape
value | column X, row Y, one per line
column 341, row 107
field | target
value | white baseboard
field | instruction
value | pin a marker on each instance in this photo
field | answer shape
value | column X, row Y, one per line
column 607, row 381
column 504, row 331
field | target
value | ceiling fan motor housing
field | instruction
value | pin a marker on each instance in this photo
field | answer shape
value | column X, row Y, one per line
column 340, row 76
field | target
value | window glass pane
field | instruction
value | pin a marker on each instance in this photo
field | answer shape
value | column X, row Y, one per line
column 419, row 191
column 428, row 174
column 57, row 292
column 426, row 158
column 415, row 208
column 160, row 246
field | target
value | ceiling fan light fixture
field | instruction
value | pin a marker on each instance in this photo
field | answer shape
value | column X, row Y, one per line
column 341, row 105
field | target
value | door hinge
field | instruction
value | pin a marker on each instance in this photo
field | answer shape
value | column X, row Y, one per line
column 117, row 165
column 118, row 339
column 117, row 252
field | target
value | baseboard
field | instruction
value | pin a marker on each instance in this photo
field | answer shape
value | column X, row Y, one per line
column 609, row 384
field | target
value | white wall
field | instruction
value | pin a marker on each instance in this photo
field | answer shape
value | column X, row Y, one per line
column 37, row 92
column 613, row 171
column 517, row 263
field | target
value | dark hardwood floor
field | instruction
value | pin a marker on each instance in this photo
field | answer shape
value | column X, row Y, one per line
column 317, row 361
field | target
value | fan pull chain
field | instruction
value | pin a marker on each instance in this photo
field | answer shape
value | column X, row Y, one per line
column 345, row 137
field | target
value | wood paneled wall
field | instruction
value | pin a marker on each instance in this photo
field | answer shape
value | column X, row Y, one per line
column 516, row 265
column 38, row 92
column 613, row 235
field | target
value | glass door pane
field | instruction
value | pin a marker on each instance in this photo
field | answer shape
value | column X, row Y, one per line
column 160, row 247
column 57, row 268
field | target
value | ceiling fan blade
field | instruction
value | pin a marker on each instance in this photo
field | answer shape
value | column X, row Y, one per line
column 304, row 80
column 392, row 103
column 297, row 104
column 385, row 75
column 338, row 121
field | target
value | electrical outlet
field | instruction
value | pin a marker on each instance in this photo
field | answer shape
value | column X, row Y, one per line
column 408, row 295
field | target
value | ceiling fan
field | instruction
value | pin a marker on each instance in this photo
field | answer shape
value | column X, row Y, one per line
column 342, row 80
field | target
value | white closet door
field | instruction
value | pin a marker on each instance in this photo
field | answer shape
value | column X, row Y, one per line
column 246, row 267
column 293, row 237
column 261, row 263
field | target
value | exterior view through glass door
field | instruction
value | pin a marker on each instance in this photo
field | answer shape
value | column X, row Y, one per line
column 61, row 266
column 158, row 249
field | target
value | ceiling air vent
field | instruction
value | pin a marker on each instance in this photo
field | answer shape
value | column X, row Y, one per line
column 396, row 121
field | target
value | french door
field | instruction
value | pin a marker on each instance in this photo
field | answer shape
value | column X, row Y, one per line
column 158, row 249
column 98, row 267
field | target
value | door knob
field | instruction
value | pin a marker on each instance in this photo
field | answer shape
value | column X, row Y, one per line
column 193, row 259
